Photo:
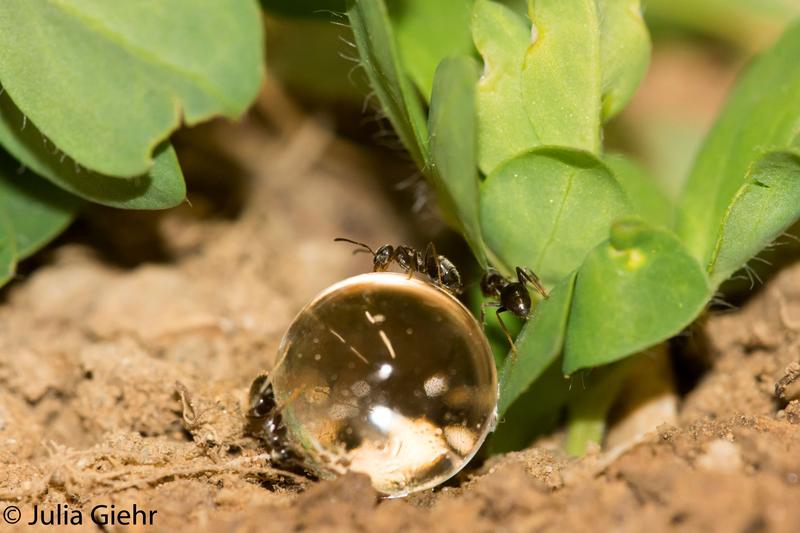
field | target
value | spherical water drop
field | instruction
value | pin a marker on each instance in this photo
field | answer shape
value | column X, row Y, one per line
column 416, row 387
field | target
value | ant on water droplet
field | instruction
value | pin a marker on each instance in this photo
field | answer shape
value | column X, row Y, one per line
column 265, row 422
column 438, row 269
column 512, row 296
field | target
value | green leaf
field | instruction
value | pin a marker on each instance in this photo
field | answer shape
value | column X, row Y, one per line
column 36, row 210
column 8, row 250
column 502, row 38
column 761, row 116
column 561, row 80
column 546, row 209
column 763, row 208
column 633, row 291
column 107, row 82
column 379, row 56
column 624, row 52
column 428, row 32
column 454, row 167
column 647, row 198
column 160, row 188
column 518, row 6
column 538, row 345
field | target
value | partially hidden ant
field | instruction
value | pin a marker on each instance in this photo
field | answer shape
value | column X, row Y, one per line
column 511, row 296
column 266, row 423
column 437, row 268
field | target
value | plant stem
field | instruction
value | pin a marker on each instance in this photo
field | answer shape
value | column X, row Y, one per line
column 586, row 424
column 588, row 410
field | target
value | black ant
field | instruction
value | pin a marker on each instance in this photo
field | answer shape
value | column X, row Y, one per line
column 439, row 269
column 266, row 423
column 512, row 296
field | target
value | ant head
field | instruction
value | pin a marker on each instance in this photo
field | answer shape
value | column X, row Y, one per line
column 492, row 283
column 262, row 398
column 382, row 257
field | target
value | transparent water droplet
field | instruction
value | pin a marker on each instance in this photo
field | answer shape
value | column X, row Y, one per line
column 407, row 409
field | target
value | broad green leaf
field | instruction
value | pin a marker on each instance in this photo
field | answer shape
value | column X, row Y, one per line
column 624, row 52
column 36, row 210
column 763, row 208
column 428, row 32
column 8, row 250
column 502, row 38
column 454, row 168
column 538, row 345
column 561, row 80
column 107, row 82
column 160, row 188
column 647, row 198
column 377, row 48
column 633, row 291
column 547, row 208
column 761, row 116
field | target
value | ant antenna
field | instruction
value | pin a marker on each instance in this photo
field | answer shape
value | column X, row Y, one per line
column 361, row 244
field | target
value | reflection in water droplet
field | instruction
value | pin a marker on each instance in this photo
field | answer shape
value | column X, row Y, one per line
column 404, row 388
column 384, row 371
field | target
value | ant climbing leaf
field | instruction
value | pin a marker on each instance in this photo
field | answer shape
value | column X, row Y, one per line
column 107, row 82
column 375, row 39
column 635, row 290
column 161, row 187
column 547, row 208
column 762, row 116
column 538, row 344
column 453, row 147
column 36, row 210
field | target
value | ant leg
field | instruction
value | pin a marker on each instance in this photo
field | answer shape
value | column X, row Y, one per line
column 484, row 305
column 525, row 274
column 505, row 330
column 412, row 267
column 431, row 255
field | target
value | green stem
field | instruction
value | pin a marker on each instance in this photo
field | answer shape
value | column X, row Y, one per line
column 587, row 424
column 587, row 412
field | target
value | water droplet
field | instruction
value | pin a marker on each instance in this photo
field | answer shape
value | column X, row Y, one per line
column 419, row 340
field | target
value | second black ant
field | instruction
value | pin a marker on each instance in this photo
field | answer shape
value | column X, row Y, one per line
column 511, row 296
column 438, row 269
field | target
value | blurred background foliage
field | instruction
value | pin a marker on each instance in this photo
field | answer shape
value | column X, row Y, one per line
column 699, row 47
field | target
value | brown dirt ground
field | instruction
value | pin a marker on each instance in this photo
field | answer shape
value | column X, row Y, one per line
column 126, row 355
